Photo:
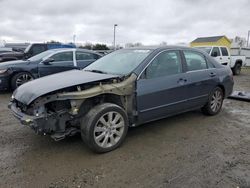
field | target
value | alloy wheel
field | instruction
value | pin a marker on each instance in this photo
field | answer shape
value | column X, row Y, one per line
column 23, row 79
column 216, row 101
column 109, row 129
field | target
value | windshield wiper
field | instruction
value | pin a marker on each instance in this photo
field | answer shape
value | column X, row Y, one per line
column 97, row 71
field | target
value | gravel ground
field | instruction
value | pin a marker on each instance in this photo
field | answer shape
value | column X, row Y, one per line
column 188, row 150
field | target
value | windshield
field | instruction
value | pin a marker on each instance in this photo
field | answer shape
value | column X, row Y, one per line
column 41, row 55
column 121, row 62
column 205, row 49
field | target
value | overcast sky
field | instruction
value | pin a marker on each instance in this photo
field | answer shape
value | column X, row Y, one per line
column 147, row 21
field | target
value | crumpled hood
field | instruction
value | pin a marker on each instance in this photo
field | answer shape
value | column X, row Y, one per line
column 30, row 91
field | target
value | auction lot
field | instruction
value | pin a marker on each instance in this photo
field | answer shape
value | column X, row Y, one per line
column 188, row 150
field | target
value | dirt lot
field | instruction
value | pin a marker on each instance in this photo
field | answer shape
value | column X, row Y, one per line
column 189, row 150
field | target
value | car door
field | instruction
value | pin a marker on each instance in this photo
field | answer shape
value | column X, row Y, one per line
column 161, row 89
column 83, row 59
column 201, row 78
column 216, row 54
column 61, row 61
column 225, row 58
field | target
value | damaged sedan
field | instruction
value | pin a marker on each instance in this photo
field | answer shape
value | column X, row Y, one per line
column 123, row 89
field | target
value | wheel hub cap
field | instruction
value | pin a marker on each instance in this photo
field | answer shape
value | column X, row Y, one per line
column 109, row 129
column 216, row 101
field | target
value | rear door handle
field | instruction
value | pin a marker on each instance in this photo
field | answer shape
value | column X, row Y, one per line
column 212, row 74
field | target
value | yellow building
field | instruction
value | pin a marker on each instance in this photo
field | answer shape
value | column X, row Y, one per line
column 211, row 41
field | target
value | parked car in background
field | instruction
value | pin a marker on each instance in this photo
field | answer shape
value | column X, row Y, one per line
column 125, row 88
column 3, row 49
column 32, row 50
column 15, row 73
column 10, row 56
column 222, row 55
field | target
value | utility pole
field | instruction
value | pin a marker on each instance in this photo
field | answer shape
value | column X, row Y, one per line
column 248, row 35
column 74, row 39
column 115, row 25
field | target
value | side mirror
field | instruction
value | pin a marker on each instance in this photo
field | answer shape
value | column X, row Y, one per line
column 48, row 61
column 215, row 54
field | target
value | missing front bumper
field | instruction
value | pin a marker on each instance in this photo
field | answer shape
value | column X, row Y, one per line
column 43, row 124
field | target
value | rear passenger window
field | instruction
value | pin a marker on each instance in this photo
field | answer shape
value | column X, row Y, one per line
column 224, row 52
column 165, row 64
column 84, row 56
column 210, row 65
column 195, row 61
column 63, row 56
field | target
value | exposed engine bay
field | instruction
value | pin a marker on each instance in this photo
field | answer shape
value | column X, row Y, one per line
column 59, row 113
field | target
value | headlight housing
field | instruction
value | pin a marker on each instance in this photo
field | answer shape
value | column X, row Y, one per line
column 3, row 71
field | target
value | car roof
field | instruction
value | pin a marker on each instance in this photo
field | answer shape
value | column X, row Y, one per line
column 159, row 47
column 71, row 49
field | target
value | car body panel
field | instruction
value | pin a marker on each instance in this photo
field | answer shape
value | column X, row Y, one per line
column 164, row 95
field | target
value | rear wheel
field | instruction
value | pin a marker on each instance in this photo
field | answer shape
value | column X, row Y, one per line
column 104, row 127
column 214, row 103
column 20, row 79
column 237, row 69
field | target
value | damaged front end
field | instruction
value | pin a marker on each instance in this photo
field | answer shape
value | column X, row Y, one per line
column 59, row 113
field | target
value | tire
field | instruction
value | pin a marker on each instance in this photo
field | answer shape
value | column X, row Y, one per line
column 19, row 79
column 215, row 101
column 98, row 133
column 237, row 69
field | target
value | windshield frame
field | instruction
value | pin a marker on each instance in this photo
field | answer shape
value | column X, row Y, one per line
column 27, row 48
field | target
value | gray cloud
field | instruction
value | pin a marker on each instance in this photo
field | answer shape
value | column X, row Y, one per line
column 146, row 21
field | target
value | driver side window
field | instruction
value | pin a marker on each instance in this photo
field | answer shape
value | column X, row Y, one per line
column 165, row 64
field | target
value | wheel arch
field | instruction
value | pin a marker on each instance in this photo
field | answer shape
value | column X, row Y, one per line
column 99, row 99
column 223, row 89
column 238, row 61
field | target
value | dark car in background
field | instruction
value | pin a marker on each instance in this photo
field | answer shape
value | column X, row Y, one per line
column 15, row 73
column 31, row 50
column 125, row 88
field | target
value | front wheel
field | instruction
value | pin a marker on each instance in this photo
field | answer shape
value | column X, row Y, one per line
column 104, row 127
column 214, row 103
column 19, row 79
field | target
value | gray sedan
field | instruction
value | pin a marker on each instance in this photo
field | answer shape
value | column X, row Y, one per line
column 125, row 88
